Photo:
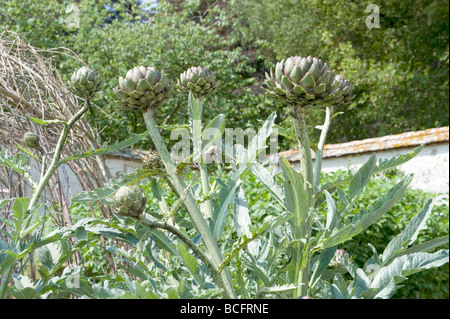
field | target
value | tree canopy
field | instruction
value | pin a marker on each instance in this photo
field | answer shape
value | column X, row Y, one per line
column 399, row 71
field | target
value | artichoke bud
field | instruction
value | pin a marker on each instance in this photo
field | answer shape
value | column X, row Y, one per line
column 130, row 201
column 85, row 82
column 31, row 140
column 153, row 162
column 197, row 80
column 306, row 82
column 143, row 88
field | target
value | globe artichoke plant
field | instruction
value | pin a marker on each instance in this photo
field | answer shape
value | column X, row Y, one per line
column 197, row 80
column 143, row 88
column 130, row 201
column 85, row 82
column 303, row 83
column 307, row 82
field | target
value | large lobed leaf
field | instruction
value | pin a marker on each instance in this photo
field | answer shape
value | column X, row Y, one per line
column 406, row 265
column 366, row 218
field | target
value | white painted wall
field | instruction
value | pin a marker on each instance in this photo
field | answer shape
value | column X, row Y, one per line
column 430, row 167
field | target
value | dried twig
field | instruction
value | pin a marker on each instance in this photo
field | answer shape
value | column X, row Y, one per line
column 30, row 85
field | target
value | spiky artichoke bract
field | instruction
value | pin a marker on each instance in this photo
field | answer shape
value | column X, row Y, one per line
column 142, row 88
column 307, row 82
column 85, row 82
column 197, row 80
column 130, row 201
column 31, row 139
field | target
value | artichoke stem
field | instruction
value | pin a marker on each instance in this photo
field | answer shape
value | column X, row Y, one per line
column 189, row 202
column 207, row 205
column 304, row 150
column 57, row 155
column 321, row 145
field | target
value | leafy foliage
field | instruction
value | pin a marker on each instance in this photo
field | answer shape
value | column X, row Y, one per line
column 218, row 236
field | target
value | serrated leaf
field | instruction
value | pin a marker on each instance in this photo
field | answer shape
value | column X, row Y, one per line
column 189, row 259
column 360, row 179
column 296, row 196
column 381, row 166
column 397, row 160
column 266, row 178
column 109, row 189
column 362, row 283
column 258, row 143
column 366, row 218
column 242, row 219
column 388, row 291
column 216, row 126
column 325, row 257
column 19, row 208
column 44, row 255
column 407, row 265
column 108, row 148
column 409, row 235
column 332, row 215
column 226, row 197
column 244, row 240
column 424, row 247
column 18, row 164
column 283, row 132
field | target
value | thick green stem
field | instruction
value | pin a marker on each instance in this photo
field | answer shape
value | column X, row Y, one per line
column 197, row 137
column 306, row 170
column 207, row 205
column 189, row 202
column 321, row 145
column 304, row 150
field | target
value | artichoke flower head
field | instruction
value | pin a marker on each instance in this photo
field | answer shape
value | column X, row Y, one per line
column 130, row 201
column 143, row 88
column 85, row 82
column 200, row 81
column 303, row 82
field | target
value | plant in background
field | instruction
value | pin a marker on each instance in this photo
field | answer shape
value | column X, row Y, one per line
column 84, row 81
